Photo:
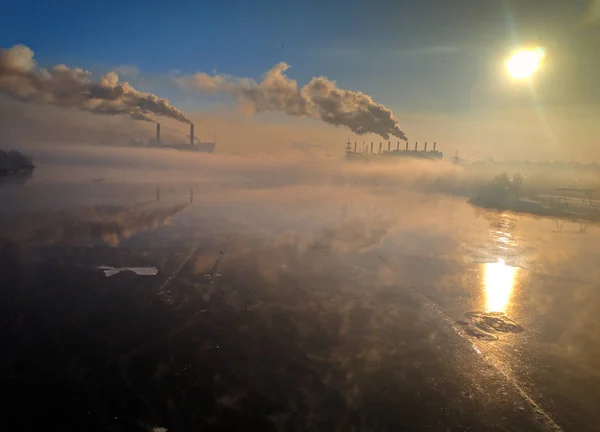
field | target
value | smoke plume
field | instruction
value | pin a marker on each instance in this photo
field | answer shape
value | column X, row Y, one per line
column 320, row 98
column 73, row 88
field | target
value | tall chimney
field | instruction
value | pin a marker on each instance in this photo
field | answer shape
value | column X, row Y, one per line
column 425, row 145
column 389, row 144
column 158, row 133
column 398, row 145
column 406, row 146
column 371, row 146
column 192, row 134
column 434, row 145
column 416, row 145
column 380, row 144
column 354, row 146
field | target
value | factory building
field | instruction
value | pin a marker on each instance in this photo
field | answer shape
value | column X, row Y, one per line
column 367, row 152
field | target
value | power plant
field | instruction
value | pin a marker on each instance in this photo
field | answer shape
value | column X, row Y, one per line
column 366, row 152
column 195, row 145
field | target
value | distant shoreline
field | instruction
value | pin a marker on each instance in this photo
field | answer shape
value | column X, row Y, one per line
column 535, row 208
column 16, row 171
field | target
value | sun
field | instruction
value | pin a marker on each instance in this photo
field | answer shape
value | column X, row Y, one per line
column 524, row 63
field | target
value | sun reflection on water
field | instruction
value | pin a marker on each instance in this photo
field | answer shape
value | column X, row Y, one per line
column 499, row 281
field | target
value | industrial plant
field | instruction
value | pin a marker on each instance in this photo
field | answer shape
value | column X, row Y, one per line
column 194, row 145
column 367, row 153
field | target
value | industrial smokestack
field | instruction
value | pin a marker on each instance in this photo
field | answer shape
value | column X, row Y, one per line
column 192, row 134
column 416, row 145
column 398, row 145
column 371, row 146
column 434, row 146
column 389, row 144
column 425, row 145
column 354, row 146
column 380, row 146
column 158, row 133
column 406, row 148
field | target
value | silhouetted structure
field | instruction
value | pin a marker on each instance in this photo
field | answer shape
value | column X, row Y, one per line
column 391, row 154
column 13, row 162
column 194, row 144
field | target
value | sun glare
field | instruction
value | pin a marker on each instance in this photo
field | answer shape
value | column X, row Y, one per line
column 499, row 280
column 524, row 63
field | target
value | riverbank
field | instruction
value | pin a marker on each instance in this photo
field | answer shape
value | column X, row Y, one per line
column 14, row 162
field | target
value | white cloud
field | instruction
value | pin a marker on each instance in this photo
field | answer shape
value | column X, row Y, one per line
column 127, row 71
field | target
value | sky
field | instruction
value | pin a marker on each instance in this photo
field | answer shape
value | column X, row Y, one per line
column 437, row 64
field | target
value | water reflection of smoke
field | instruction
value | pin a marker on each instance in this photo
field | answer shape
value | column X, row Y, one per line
column 100, row 224
column 355, row 235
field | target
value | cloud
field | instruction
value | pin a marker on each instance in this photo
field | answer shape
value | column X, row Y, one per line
column 74, row 88
column 320, row 99
column 127, row 71
column 211, row 83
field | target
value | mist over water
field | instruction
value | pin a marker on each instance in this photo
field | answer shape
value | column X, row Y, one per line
column 418, row 198
column 340, row 272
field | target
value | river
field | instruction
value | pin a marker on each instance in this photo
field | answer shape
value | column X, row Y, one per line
column 335, row 308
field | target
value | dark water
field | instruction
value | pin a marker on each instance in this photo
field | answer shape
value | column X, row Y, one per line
column 319, row 315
